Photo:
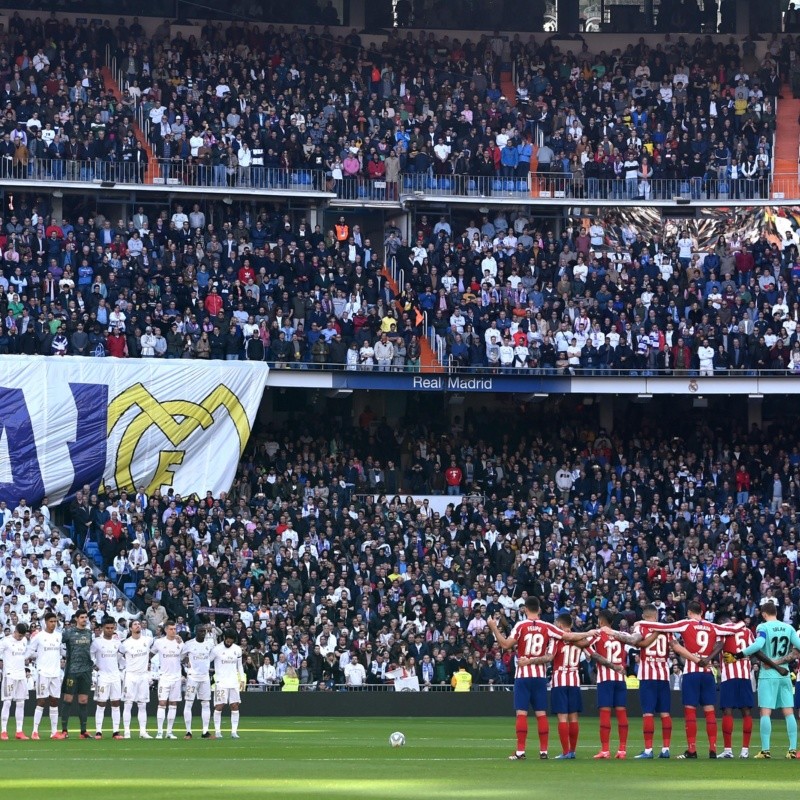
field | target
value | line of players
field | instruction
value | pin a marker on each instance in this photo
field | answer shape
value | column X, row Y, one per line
column 120, row 671
column 698, row 642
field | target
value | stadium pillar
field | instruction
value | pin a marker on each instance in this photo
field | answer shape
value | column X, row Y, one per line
column 357, row 14
column 57, row 206
column 607, row 412
column 568, row 16
column 755, row 408
column 742, row 17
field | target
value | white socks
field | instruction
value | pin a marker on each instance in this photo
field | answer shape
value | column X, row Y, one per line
column 37, row 717
column 217, row 722
column 205, row 714
column 234, row 721
column 6, row 713
column 114, row 719
column 99, row 716
column 187, row 716
column 161, row 714
column 172, row 712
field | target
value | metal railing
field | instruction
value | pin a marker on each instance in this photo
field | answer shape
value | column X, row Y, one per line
column 548, row 184
column 191, row 172
column 364, row 189
column 439, row 346
column 466, row 185
column 173, row 172
column 541, row 187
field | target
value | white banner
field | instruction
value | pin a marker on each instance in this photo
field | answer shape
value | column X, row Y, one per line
column 123, row 424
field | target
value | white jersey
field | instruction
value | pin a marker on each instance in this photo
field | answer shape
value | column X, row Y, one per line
column 105, row 656
column 169, row 658
column 45, row 649
column 199, row 654
column 12, row 654
column 137, row 655
column 227, row 666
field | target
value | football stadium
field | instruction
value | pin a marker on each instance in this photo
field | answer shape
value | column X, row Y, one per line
column 480, row 449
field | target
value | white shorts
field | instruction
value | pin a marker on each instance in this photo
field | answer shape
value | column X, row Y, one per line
column 198, row 690
column 169, row 691
column 226, row 697
column 15, row 689
column 136, row 689
column 48, row 687
column 108, row 691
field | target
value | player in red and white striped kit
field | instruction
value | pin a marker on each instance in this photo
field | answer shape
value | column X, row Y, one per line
column 698, row 686
column 654, row 692
column 612, row 691
column 534, row 640
column 736, row 685
column 565, row 692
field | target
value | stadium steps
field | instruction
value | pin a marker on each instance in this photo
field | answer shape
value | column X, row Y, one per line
column 427, row 358
column 153, row 171
column 787, row 141
column 507, row 86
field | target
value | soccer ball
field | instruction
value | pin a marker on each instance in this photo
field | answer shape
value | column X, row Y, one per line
column 397, row 739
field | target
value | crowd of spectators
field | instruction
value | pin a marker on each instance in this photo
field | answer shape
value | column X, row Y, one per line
column 249, row 107
column 605, row 295
column 258, row 288
column 318, row 557
column 59, row 120
column 654, row 122
column 504, row 293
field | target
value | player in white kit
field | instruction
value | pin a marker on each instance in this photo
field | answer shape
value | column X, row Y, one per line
column 196, row 657
column 168, row 649
column 136, row 652
column 13, row 652
column 105, row 657
column 45, row 651
column 228, row 680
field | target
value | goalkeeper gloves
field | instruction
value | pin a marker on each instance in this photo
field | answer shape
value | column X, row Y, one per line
column 242, row 683
column 729, row 658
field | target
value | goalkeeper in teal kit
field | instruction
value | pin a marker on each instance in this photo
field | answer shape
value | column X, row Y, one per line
column 773, row 644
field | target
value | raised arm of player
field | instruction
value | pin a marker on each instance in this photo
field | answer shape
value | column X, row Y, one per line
column 504, row 641
column 681, row 651
column 577, row 638
column 603, row 661
column 792, row 655
column 635, row 639
column 528, row 662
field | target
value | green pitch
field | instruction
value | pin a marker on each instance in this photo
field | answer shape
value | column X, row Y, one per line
column 293, row 758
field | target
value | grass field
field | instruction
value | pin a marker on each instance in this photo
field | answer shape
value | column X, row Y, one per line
column 296, row 758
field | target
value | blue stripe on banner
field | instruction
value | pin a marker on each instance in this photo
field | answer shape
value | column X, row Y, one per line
column 88, row 451
column 26, row 473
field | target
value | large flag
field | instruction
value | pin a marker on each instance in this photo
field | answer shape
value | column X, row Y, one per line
column 66, row 423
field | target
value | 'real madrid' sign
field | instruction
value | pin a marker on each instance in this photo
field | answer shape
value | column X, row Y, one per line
column 124, row 424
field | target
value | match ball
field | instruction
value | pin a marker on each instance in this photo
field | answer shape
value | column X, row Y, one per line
column 397, row 739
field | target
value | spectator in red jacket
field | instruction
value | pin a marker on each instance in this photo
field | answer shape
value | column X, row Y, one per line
column 117, row 345
column 213, row 303
column 453, row 477
column 742, row 485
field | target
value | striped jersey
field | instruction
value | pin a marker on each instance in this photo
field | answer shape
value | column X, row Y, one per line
column 613, row 651
column 565, row 664
column 698, row 636
column 533, row 638
column 653, row 659
column 735, row 643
